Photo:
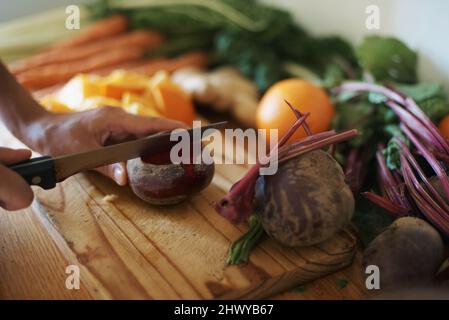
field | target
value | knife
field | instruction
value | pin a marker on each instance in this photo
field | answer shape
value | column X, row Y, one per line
column 46, row 171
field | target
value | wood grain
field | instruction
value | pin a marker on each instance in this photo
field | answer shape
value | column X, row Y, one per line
column 31, row 267
column 32, row 264
column 128, row 249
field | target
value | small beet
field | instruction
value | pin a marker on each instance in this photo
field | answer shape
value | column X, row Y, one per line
column 306, row 202
column 158, row 181
column 408, row 253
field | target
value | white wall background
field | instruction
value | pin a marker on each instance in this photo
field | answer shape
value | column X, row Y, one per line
column 10, row 9
column 423, row 24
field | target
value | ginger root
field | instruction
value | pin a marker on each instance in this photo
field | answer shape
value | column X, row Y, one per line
column 224, row 89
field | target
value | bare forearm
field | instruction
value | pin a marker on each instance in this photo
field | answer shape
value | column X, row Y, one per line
column 18, row 110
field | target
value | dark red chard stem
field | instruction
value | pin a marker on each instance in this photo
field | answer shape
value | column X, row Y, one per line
column 298, row 115
column 352, row 86
column 238, row 203
column 440, row 155
column 332, row 149
column 412, row 122
column 433, row 162
column 352, row 169
column 389, row 183
column 420, row 122
column 391, row 207
column 435, row 212
column 355, row 169
column 298, row 123
column 304, row 141
column 423, row 200
column 416, row 110
column 411, row 159
column 318, row 145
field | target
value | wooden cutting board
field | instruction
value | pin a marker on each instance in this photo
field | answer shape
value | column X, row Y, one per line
column 127, row 249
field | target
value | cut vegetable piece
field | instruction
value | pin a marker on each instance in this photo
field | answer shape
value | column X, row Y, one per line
column 141, row 110
column 119, row 82
column 173, row 102
column 77, row 90
column 53, row 105
column 98, row 102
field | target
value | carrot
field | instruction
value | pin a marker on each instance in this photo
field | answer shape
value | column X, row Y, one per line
column 45, row 76
column 193, row 59
column 103, row 28
column 141, row 38
column 129, row 65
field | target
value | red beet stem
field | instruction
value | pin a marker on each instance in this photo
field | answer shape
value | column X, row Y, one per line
column 298, row 115
column 318, row 144
column 433, row 162
column 238, row 203
column 411, row 159
column 423, row 200
column 391, row 207
column 390, row 183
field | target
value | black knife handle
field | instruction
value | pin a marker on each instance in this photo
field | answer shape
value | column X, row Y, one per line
column 38, row 171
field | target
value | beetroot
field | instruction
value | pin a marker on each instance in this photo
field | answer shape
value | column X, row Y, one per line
column 306, row 202
column 156, row 180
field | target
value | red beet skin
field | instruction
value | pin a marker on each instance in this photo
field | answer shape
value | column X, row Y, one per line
column 156, row 180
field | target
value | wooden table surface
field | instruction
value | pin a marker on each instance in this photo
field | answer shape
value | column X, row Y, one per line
column 32, row 267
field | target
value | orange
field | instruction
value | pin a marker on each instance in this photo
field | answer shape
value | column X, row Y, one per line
column 444, row 127
column 274, row 113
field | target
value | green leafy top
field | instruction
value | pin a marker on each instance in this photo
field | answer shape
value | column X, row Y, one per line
column 256, row 38
column 388, row 59
column 430, row 96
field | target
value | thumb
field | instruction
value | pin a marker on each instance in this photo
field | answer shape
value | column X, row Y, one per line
column 116, row 172
column 11, row 156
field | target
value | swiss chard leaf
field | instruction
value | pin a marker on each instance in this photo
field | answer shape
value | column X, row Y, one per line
column 252, row 57
column 370, row 220
column 356, row 115
column 387, row 59
column 430, row 96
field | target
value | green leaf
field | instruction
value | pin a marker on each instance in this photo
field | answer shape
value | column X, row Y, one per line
column 356, row 115
column 300, row 289
column 333, row 76
column 370, row 220
column 342, row 283
column 422, row 91
column 435, row 108
column 250, row 56
column 392, row 152
column 240, row 249
column 430, row 96
column 376, row 98
column 387, row 59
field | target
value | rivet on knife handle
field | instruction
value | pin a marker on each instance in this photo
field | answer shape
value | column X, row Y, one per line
column 37, row 172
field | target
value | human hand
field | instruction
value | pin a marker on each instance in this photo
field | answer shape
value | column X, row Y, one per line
column 59, row 134
column 15, row 193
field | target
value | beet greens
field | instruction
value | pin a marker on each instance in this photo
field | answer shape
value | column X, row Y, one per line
column 405, row 187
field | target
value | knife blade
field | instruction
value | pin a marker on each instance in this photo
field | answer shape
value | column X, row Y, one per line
column 46, row 171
